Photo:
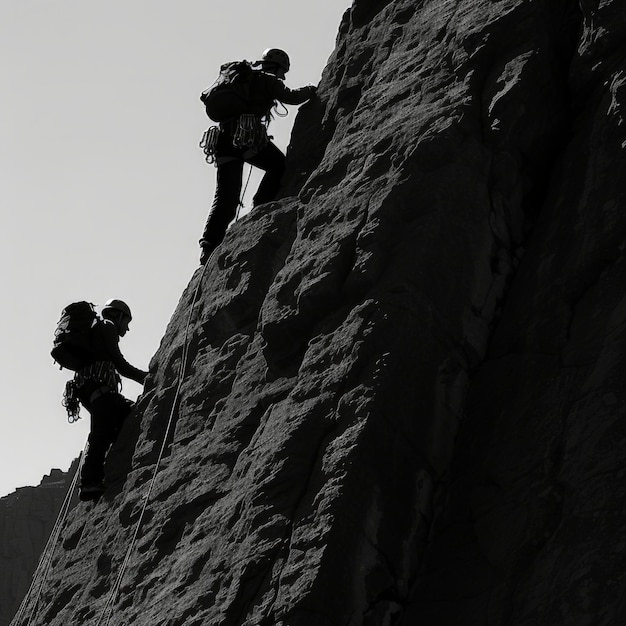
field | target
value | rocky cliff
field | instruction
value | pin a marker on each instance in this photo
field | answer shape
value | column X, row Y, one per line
column 27, row 517
column 395, row 396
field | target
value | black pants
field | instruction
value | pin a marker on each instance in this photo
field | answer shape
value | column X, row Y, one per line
column 228, row 188
column 108, row 412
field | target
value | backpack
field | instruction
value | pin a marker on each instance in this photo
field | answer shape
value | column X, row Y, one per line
column 72, row 337
column 228, row 96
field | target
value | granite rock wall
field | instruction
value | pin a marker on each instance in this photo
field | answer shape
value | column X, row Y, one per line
column 395, row 396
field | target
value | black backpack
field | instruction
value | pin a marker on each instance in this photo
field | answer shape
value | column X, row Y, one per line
column 72, row 337
column 229, row 95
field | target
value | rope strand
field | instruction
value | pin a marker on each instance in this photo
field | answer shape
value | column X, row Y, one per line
column 48, row 552
column 108, row 608
column 45, row 560
column 240, row 205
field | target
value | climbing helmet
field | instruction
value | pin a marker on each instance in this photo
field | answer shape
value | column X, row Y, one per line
column 277, row 57
column 117, row 305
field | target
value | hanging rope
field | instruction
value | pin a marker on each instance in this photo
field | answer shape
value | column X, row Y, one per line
column 108, row 607
column 107, row 611
column 45, row 560
column 48, row 552
column 240, row 205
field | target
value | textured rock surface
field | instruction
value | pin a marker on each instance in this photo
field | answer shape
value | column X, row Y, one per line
column 403, row 400
column 27, row 517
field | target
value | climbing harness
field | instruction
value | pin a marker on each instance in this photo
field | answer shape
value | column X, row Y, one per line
column 107, row 612
column 48, row 553
column 102, row 372
column 250, row 132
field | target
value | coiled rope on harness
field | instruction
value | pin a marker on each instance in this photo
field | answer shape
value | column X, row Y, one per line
column 107, row 611
column 249, row 133
column 71, row 402
column 102, row 372
column 208, row 143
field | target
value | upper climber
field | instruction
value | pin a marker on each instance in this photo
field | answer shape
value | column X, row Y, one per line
column 243, row 112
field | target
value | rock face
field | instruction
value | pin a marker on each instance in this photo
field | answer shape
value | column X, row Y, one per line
column 27, row 517
column 396, row 396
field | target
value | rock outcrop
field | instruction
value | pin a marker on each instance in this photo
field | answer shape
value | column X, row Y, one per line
column 396, row 395
column 27, row 517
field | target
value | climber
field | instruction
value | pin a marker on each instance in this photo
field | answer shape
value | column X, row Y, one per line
column 265, row 88
column 97, row 387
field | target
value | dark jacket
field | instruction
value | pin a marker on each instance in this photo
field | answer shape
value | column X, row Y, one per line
column 266, row 89
column 105, row 348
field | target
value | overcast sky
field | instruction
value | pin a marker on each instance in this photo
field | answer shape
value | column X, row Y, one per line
column 103, row 190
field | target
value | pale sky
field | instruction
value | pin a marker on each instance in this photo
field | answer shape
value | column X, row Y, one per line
column 103, row 189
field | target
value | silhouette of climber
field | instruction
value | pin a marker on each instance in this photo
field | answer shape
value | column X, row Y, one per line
column 266, row 88
column 97, row 388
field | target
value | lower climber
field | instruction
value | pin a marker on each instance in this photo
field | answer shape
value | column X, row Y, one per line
column 264, row 88
column 97, row 388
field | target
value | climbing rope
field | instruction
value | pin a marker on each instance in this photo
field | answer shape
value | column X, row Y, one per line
column 102, row 372
column 108, row 607
column 208, row 143
column 48, row 553
column 107, row 611
column 45, row 560
column 71, row 402
column 240, row 204
column 283, row 113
